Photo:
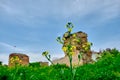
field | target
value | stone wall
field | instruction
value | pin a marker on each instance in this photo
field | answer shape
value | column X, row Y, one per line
column 18, row 59
column 44, row 64
column 77, row 39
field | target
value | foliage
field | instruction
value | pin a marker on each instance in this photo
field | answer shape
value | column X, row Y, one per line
column 69, row 49
column 69, row 26
column 106, row 68
column 47, row 55
column 34, row 64
column 0, row 62
column 59, row 40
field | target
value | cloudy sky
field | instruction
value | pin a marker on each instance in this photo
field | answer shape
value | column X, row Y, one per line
column 33, row 25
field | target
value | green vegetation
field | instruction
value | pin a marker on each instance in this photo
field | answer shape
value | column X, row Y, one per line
column 106, row 68
column 34, row 64
column 47, row 56
column 0, row 62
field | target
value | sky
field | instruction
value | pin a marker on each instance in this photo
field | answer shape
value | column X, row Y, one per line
column 31, row 26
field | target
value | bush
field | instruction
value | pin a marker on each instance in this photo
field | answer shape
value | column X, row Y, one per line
column 34, row 64
column 106, row 68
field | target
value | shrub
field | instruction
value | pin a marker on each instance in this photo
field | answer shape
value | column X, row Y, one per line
column 106, row 68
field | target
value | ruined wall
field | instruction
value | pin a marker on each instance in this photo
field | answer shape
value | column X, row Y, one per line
column 44, row 64
column 77, row 39
column 18, row 59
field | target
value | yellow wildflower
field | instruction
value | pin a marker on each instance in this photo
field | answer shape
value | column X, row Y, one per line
column 70, row 29
column 73, row 47
column 64, row 49
column 45, row 53
column 64, row 39
column 71, row 53
column 74, row 39
column 17, row 58
column 74, row 35
column 84, row 46
column 20, row 61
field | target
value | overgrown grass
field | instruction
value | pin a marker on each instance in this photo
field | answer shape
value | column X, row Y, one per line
column 106, row 68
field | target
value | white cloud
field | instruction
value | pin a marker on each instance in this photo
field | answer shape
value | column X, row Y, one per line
column 110, row 10
column 33, row 11
column 36, row 57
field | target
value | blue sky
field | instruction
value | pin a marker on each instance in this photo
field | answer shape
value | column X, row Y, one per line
column 33, row 25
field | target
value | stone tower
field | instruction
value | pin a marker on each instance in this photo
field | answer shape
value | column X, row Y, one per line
column 77, row 39
column 18, row 59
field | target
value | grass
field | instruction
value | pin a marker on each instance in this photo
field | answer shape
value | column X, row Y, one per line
column 106, row 68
